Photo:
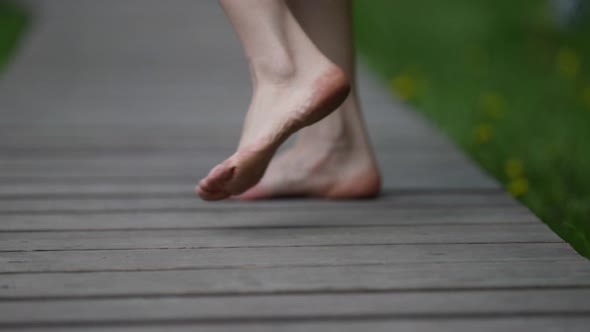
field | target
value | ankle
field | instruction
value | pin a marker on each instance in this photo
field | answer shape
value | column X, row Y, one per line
column 335, row 132
column 341, row 144
column 278, row 67
column 330, row 142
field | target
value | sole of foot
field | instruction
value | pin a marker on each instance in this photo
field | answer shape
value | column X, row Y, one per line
column 294, row 105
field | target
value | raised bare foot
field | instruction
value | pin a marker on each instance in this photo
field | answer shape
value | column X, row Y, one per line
column 333, row 172
column 279, row 108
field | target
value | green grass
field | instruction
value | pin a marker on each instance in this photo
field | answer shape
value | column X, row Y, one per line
column 505, row 83
column 13, row 22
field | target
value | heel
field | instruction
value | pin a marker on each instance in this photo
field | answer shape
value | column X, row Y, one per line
column 330, row 91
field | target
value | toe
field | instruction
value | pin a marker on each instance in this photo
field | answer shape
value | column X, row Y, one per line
column 211, row 196
column 221, row 174
column 211, row 187
column 217, row 178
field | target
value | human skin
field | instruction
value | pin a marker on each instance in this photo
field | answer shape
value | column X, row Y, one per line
column 301, row 61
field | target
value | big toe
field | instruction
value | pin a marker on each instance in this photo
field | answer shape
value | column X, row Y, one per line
column 212, row 186
column 211, row 196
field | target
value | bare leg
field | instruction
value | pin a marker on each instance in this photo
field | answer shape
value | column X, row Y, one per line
column 295, row 85
column 333, row 158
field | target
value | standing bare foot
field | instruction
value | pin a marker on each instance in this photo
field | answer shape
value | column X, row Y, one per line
column 331, row 159
column 278, row 109
column 295, row 85
column 336, row 173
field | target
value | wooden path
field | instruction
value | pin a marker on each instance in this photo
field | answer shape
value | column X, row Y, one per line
column 112, row 112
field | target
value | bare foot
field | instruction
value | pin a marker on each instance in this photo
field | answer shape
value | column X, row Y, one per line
column 279, row 108
column 336, row 172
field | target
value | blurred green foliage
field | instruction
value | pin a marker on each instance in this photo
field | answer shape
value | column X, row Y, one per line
column 506, row 83
column 12, row 23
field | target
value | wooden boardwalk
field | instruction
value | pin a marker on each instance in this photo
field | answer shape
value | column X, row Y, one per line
column 114, row 109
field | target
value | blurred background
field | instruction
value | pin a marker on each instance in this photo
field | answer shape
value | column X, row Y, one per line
column 508, row 81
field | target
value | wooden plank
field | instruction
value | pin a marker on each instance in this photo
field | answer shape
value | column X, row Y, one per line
column 78, row 179
column 26, row 149
column 275, row 237
column 413, row 168
column 131, row 260
column 40, row 140
column 186, row 162
column 104, row 220
column 404, row 276
column 170, row 185
column 51, row 146
column 425, row 173
column 466, row 304
column 171, row 202
column 158, row 157
column 440, row 324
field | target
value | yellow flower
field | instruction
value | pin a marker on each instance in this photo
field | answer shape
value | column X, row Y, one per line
column 518, row 187
column 586, row 96
column 513, row 168
column 483, row 133
column 568, row 63
column 404, row 86
column 493, row 104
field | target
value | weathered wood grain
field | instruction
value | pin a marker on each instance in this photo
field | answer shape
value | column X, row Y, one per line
column 275, row 237
column 157, row 259
column 444, row 324
column 425, row 169
column 405, row 276
column 271, row 218
column 497, row 303
column 188, row 200
column 143, row 185
column 509, row 324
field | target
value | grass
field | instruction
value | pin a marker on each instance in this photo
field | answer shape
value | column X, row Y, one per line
column 13, row 22
column 509, row 87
